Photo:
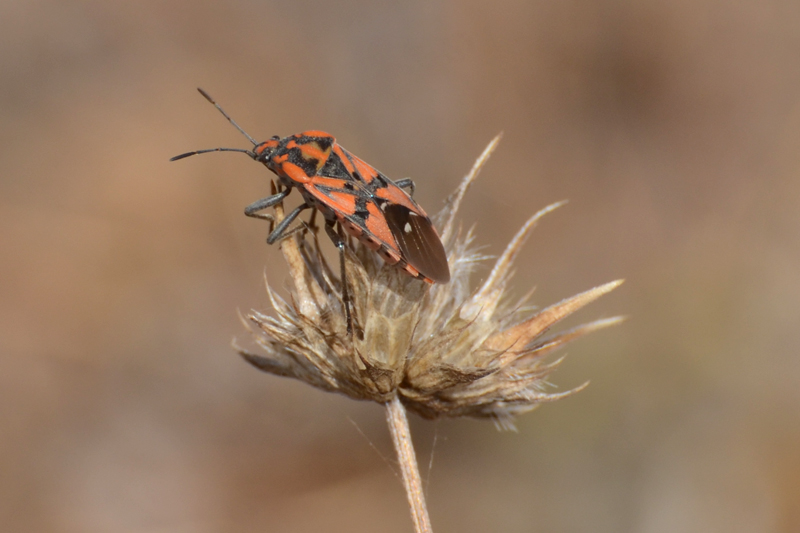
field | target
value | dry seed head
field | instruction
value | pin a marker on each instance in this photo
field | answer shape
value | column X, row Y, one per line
column 444, row 349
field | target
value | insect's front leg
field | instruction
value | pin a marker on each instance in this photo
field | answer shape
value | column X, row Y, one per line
column 253, row 209
column 338, row 241
column 406, row 183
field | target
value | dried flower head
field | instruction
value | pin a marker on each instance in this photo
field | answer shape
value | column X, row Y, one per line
column 443, row 350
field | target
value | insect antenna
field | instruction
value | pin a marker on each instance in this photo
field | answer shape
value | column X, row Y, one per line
column 187, row 154
column 235, row 125
column 248, row 152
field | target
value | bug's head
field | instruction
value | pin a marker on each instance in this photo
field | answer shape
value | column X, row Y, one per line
column 263, row 151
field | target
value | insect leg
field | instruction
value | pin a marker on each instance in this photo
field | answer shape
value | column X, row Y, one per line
column 406, row 183
column 312, row 221
column 280, row 231
column 253, row 209
column 338, row 241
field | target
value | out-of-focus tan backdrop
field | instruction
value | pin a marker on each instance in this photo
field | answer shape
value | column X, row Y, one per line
column 673, row 127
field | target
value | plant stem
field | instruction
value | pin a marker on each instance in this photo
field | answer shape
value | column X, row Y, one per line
column 401, row 437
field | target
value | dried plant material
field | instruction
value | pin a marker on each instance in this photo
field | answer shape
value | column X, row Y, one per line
column 443, row 350
column 407, row 458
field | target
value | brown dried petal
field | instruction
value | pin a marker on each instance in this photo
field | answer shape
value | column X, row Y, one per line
column 522, row 334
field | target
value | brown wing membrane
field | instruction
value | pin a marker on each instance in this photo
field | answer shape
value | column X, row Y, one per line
column 418, row 241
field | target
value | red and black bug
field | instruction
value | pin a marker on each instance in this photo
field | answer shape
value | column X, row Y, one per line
column 347, row 191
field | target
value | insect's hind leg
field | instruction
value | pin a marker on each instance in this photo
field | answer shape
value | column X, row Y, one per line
column 406, row 183
column 338, row 241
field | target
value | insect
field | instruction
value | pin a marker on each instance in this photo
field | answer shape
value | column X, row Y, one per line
column 349, row 193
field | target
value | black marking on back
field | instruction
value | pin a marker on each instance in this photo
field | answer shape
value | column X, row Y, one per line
column 309, row 166
column 380, row 181
column 356, row 174
column 324, row 143
column 361, row 211
column 334, row 168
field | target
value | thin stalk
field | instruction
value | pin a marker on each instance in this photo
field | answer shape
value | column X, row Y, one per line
column 401, row 437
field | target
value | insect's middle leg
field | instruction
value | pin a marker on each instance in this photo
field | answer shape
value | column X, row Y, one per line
column 338, row 241
column 280, row 231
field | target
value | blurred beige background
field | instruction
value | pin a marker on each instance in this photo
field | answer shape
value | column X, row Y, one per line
column 673, row 127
